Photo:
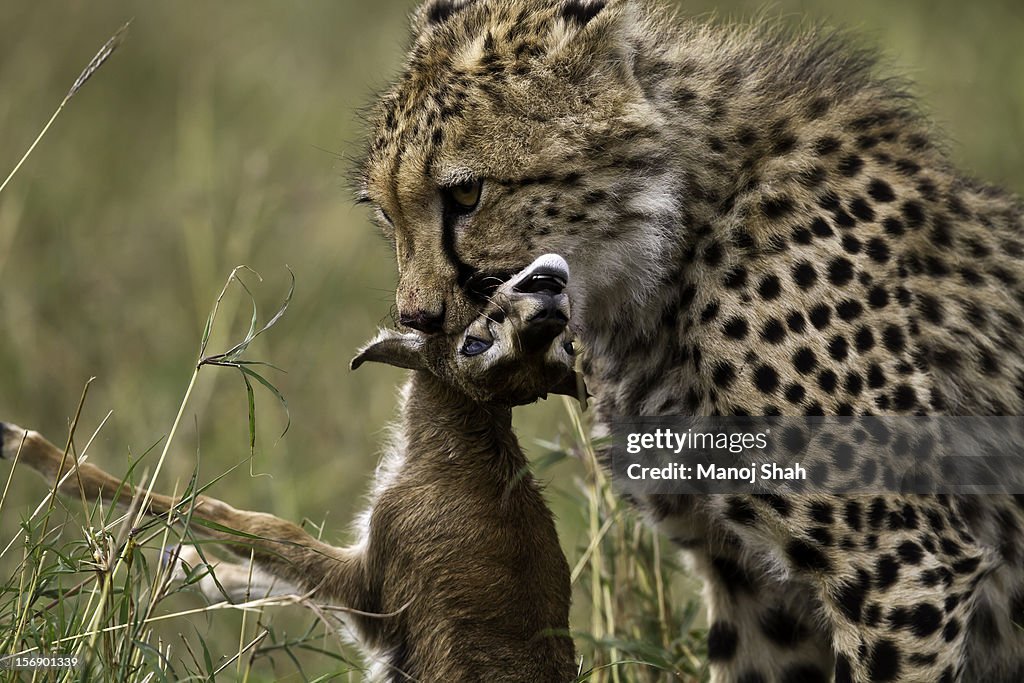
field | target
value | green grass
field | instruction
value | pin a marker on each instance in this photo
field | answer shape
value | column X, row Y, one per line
column 220, row 134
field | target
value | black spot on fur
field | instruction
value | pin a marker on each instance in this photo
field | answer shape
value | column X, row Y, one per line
column 827, row 145
column 820, row 316
column 878, row 297
column 804, row 673
column 951, row 631
column 710, row 312
column 822, row 512
column 849, row 309
column 966, row 565
column 881, row 191
column 910, row 552
column 735, row 328
column 893, row 338
column 851, row 165
column 735, row 278
column 732, row 575
column 776, row 207
column 808, row 557
column 777, row 503
column 913, row 214
column 773, row 331
column 746, row 137
column 854, row 383
column 887, row 570
column 804, row 361
column 821, row 228
column 770, row 287
column 795, row 393
column 840, row 271
column 838, row 348
column 843, row 673
column 722, row 641
column 851, row 594
column 827, row 381
column 723, row 375
column 852, row 515
column 925, row 619
column 860, row 208
column 804, row 275
column 766, row 379
column 713, row 253
column 740, row 510
column 893, row 226
column 782, row 628
column 878, row 250
column 884, row 662
column 904, row 397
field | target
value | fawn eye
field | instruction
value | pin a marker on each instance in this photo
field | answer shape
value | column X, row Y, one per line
column 464, row 197
column 474, row 346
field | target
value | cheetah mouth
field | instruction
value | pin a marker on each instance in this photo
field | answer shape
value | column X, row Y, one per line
column 483, row 285
column 548, row 274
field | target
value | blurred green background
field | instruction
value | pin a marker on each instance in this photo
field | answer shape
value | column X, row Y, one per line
column 221, row 134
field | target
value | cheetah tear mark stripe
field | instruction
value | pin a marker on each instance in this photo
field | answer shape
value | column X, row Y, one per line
column 464, row 273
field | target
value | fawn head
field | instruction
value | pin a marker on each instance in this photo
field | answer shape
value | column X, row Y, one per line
column 518, row 350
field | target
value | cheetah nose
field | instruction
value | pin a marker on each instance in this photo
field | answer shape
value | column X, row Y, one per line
column 427, row 322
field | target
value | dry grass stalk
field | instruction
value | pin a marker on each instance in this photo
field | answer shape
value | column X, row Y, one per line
column 101, row 57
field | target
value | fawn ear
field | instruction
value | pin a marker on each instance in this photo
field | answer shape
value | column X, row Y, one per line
column 573, row 386
column 393, row 348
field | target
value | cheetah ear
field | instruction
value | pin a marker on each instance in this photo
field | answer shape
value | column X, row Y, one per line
column 436, row 12
column 392, row 348
column 590, row 33
column 581, row 12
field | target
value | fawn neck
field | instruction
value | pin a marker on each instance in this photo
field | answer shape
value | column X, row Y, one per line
column 445, row 423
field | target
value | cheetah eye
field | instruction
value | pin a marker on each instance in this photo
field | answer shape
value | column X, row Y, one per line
column 464, row 197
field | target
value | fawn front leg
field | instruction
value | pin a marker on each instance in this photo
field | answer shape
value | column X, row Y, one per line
column 229, row 581
column 278, row 547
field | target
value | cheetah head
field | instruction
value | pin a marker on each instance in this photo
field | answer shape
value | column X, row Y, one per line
column 518, row 128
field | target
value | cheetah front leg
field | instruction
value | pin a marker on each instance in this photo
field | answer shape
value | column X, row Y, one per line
column 763, row 629
column 890, row 591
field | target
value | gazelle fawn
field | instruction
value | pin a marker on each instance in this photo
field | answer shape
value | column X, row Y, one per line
column 457, row 574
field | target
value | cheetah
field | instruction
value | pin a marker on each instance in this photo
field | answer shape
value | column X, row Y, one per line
column 758, row 224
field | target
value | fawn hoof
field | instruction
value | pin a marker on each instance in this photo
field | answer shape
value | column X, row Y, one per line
column 11, row 438
column 548, row 274
column 181, row 559
column 5, row 431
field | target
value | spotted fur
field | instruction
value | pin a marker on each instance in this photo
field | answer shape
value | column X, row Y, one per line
column 758, row 224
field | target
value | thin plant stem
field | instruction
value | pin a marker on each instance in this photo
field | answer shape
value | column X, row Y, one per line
column 103, row 55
